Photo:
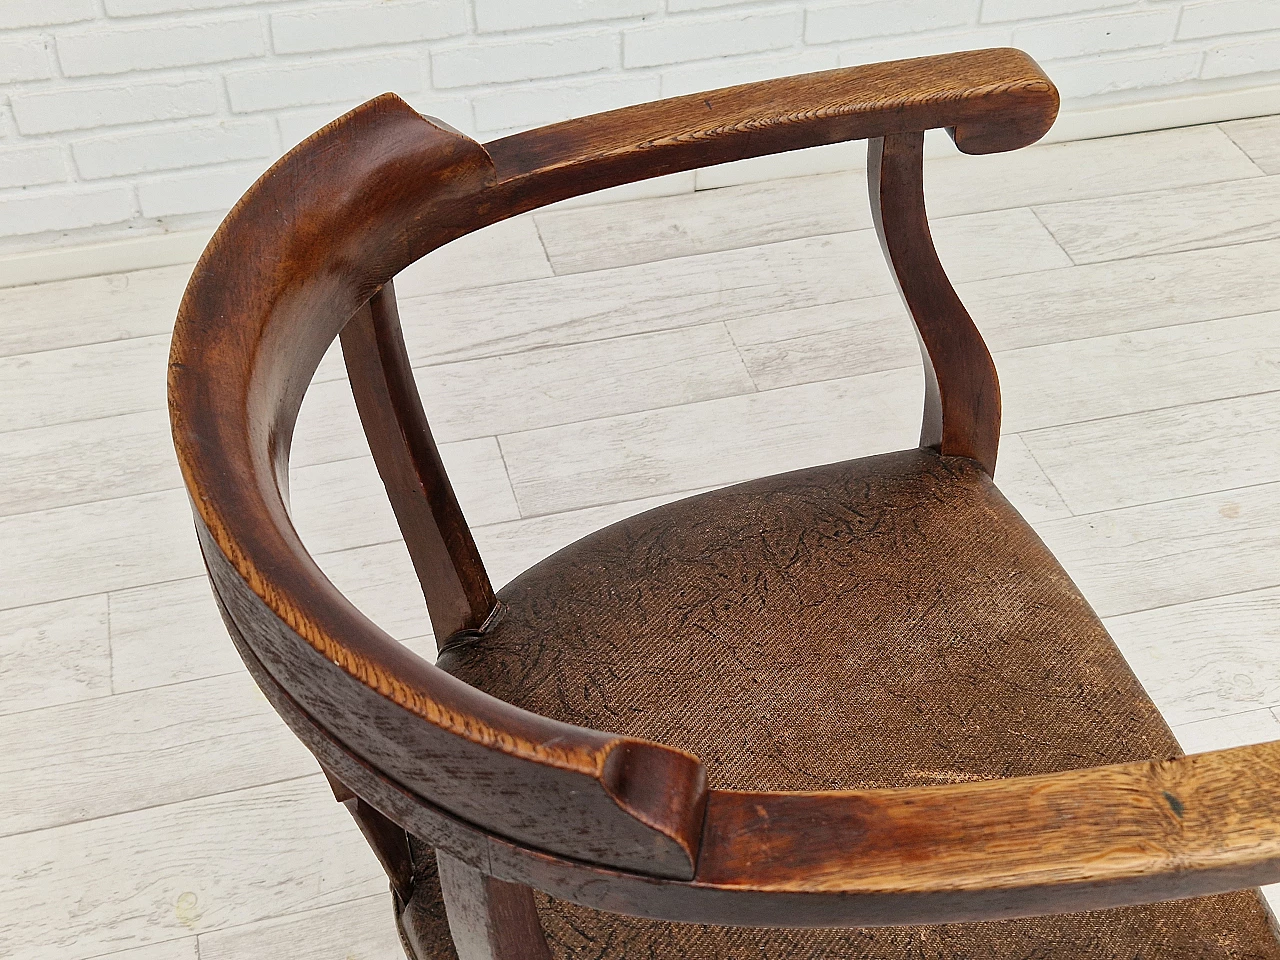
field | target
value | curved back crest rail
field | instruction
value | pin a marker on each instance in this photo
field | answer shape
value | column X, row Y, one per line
column 614, row 822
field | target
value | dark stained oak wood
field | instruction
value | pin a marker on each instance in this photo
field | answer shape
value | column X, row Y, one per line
column 490, row 919
column 989, row 100
column 459, row 596
column 962, row 393
column 513, row 798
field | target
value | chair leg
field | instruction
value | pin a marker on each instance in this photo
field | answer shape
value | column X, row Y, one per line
column 489, row 919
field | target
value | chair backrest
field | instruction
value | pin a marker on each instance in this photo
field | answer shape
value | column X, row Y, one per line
column 311, row 250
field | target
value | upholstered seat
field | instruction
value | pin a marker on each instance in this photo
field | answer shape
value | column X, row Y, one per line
column 885, row 622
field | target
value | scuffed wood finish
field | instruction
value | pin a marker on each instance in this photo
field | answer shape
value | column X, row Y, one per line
column 989, row 100
column 489, row 919
column 457, row 589
column 962, row 394
column 364, row 197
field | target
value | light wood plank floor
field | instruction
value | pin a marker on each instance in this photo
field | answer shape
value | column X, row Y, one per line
column 154, row 807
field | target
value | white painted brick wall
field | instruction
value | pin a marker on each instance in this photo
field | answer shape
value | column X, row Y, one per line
column 858, row 21
column 680, row 39
column 287, row 85
column 44, row 13
column 92, row 50
column 25, row 59
column 128, row 117
column 535, row 58
column 53, row 108
column 175, row 147
column 366, row 25
column 31, row 165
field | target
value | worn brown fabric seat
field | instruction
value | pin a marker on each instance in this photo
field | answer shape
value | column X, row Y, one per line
column 885, row 622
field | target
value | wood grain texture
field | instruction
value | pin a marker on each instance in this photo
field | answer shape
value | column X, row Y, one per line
column 33, row 387
column 169, row 872
column 1175, row 552
column 1165, row 454
column 354, row 930
column 513, row 547
column 117, row 306
column 708, row 288
column 1047, row 308
column 1207, row 658
column 844, row 339
column 1024, row 484
column 84, row 461
column 1179, row 827
column 176, row 616
column 490, row 919
column 1084, row 169
column 505, row 252
column 987, row 115
column 711, row 443
column 485, row 740
column 1096, row 376
column 990, row 100
column 475, row 777
column 1233, row 730
column 181, row 949
column 706, row 221
column 368, row 518
column 1114, row 297
column 582, row 381
column 1146, row 370
column 130, row 752
column 786, row 209
column 95, row 547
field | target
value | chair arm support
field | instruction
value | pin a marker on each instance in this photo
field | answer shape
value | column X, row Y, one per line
column 962, row 391
column 990, row 101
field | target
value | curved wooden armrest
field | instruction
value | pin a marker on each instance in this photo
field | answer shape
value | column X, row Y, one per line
column 1076, row 840
column 1030, row 846
column 1085, row 839
column 989, row 100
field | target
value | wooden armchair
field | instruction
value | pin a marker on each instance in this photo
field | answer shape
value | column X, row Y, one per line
column 846, row 711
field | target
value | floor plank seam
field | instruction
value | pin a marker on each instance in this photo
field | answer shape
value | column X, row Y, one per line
column 1044, row 473
column 160, row 806
column 1243, row 152
column 1265, row 588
